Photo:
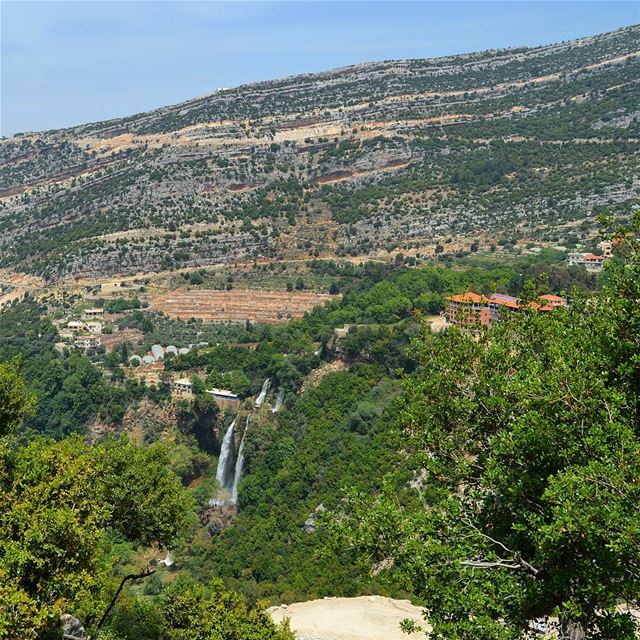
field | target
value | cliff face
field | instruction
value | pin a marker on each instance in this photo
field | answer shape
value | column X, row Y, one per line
column 512, row 144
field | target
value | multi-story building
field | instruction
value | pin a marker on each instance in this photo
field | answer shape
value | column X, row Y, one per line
column 470, row 310
column 91, row 314
column 87, row 342
column 182, row 388
column 94, row 327
column 465, row 309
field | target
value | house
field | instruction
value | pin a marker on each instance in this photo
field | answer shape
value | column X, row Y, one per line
column 94, row 327
column 606, row 248
column 75, row 325
column 182, row 388
column 87, row 342
column 589, row 261
column 593, row 262
column 92, row 314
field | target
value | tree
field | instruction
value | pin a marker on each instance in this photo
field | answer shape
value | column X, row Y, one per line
column 16, row 402
column 57, row 501
column 187, row 610
column 529, row 442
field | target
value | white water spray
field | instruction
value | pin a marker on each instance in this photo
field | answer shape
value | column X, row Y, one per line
column 263, row 393
column 239, row 465
column 225, row 463
column 279, row 401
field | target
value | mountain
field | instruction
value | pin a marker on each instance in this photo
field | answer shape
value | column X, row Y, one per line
column 478, row 151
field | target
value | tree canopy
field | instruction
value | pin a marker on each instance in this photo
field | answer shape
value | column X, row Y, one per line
column 526, row 446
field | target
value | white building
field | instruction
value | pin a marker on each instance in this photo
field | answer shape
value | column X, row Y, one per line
column 183, row 388
column 589, row 261
column 94, row 327
column 75, row 325
column 91, row 314
column 87, row 342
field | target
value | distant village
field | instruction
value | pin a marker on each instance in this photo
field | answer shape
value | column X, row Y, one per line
column 85, row 333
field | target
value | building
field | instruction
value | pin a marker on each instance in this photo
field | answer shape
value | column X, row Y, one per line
column 182, row 388
column 224, row 399
column 87, row 342
column 470, row 310
column 75, row 325
column 465, row 309
column 589, row 261
column 554, row 301
column 223, row 393
column 92, row 314
column 94, row 327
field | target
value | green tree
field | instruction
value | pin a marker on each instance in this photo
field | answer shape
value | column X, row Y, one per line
column 57, row 501
column 15, row 400
column 528, row 439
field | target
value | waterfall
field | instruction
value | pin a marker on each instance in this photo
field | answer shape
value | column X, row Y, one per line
column 229, row 473
column 279, row 400
column 239, row 464
column 263, row 393
column 225, row 463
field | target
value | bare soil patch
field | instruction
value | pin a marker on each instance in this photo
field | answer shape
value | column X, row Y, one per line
column 363, row 618
column 253, row 305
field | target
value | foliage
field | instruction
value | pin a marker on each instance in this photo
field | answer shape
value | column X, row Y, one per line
column 57, row 502
column 529, row 444
column 290, row 469
column 187, row 610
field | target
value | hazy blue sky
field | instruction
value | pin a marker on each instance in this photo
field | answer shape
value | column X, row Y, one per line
column 64, row 63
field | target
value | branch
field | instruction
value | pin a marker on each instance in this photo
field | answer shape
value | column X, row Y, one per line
column 520, row 563
column 513, row 563
column 483, row 564
column 131, row 576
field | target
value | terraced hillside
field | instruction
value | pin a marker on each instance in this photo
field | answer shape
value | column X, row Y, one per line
column 474, row 151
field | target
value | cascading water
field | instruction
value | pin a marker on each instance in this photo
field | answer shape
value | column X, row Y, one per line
column 263, row 393
column 239, row 464
column 229, row 472
column 225, row 463
column 279, row 401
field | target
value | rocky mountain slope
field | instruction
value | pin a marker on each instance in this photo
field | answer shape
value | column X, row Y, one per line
column 470, row 151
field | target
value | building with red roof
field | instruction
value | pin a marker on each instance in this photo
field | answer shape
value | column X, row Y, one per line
column 470, row 309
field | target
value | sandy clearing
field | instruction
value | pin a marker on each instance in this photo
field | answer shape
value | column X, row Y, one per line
column 362, row 618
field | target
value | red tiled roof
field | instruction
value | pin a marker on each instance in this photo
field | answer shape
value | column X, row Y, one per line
column 468, row 297
column 551, row 298
column 591, row 256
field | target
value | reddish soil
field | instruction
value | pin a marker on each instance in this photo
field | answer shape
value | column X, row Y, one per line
column 259, row 306
column 111, row 340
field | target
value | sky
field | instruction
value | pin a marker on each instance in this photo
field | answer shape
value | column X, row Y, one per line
column 66, row 63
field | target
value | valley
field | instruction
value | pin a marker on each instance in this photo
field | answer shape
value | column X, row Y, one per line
column 350, row 355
